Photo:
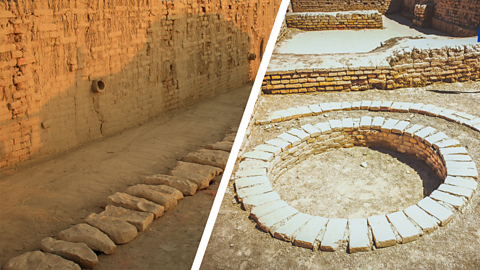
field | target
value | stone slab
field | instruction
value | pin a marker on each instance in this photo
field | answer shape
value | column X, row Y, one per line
column 288, row 230
column 251, row 172
column 135, row 203
column 388, row 125
column 141, row 220
column 170, row 191
column 91, row 236
column 365, row 104
column 325, row 107
column 404, row 227
column 335, row 125
column 324, row 127
column 315, row 109
column 313, row 131
column 453, row 151
column 39, row 261
column 306, row 237
column 333, row 237
column 222, row 145
column 425, row 221
column 305, row 111
column 119, row 231
column 280, row 143
column 462, row 182
column 266, row 208
column 200, row 174
column 294, row 140
column 423, row 133
column 366, row 122
column 411, row 130
column 382, row 232
column 400, row 127
column 269, row 148
column 377, row 122
column 249, row 202
column 438, row 211
column 250, row 181
column 302, row 135
column 455, row 157
column 143, row 191
column 455, row 190
column 386, row 105
column 455, row 201
column 268, row 221
column 376, row 105
column 216, row 158
column 185, row 186
column 254, row 190
column 358, row 239
column 260, row 155
column 336, row 106
column 79, row 253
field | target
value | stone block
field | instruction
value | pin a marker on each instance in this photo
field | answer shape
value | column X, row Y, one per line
column 144, row 191
column 404, row 227
column 201, row 175
column 91, row 236
column 216, row 158
column 455, row 201
column 119, row 231
column 185, row 186
column 134, row 203
column 358, row 239
column 269, row 220
column 140, row 220
column 39, row 261
column 306, row 237
column 333, row 237
column 288, row 231
column 256, row 200
column 425, row 221
column 382, row 232
column 261, row 155
column 79, row 253
column 438, row 211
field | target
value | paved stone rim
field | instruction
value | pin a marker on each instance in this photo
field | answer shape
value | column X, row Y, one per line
column 444, row 155
column 463, row 118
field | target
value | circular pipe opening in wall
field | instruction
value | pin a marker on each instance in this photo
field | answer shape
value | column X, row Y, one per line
column 98, row 86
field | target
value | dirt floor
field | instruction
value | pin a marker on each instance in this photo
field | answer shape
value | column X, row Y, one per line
column 45, row 198
column 454, row 246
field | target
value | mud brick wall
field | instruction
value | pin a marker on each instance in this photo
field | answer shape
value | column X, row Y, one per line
column 408, row 68
column 383, row 6
column 356, row 137
column 454, row 17
column 154, row 57
column 335, row 21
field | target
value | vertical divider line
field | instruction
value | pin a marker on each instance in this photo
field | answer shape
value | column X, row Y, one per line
column 240, row 135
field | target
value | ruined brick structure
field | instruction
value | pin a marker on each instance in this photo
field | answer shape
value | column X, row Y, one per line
column 383, row 6
column 454, row 17
column 153, row 56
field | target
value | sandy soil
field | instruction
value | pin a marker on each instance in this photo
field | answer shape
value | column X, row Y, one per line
column 454, row 246
column 47, row 197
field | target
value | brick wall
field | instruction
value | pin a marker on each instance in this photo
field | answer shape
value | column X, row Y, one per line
column 383, row 6
column 315, row 21
column 407, row 68
column 462, row 13
column 154, row 56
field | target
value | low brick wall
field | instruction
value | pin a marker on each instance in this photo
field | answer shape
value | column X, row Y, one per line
column 406, row 68
column 313, row 21
column 383, row 6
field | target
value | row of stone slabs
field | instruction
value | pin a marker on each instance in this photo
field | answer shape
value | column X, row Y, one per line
column 127, row 213
column 285, row 222
column 401, row 107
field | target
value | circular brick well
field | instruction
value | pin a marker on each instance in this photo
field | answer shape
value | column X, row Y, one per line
column 260, row 180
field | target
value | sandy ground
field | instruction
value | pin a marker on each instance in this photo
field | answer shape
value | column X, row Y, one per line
column 47, row 197
column 454, row 246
